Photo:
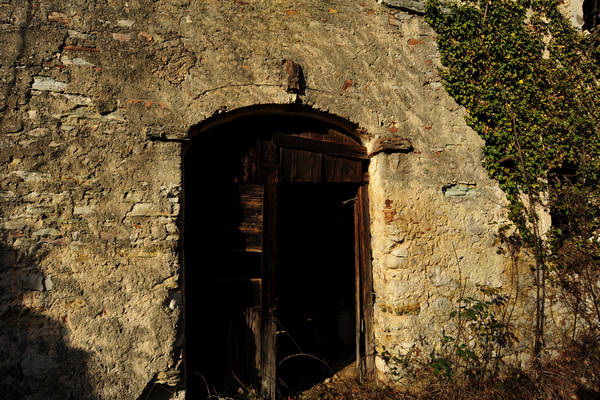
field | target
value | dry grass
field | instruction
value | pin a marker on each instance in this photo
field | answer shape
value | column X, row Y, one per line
column 573, row 374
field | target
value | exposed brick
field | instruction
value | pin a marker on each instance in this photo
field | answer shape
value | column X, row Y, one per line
column 59, row 17
column 80, row 48
column 123, row 37
column 144, row 35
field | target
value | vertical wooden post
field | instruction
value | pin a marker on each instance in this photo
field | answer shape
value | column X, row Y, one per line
column 357, row 289
column 366, row 279
column 268, row 346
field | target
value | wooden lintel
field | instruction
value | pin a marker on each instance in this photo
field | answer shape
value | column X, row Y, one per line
column 330, row 148
column 391, row 144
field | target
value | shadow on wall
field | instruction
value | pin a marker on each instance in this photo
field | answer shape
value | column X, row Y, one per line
column 35, row 361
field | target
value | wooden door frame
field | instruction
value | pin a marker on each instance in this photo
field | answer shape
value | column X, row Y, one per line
column 366, row 293
column 365, row 349
column 268, row 369
column 269, row 171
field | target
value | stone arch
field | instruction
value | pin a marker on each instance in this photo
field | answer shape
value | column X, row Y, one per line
column 283, row 110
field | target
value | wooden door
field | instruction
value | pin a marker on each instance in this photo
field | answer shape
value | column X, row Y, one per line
column 239, row 210
column 224, row 233
column 332, row 157
column 329, row 157
column 239, row 239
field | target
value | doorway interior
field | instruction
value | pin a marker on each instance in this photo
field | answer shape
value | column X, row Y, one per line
column 315, row 286
column 277, row 278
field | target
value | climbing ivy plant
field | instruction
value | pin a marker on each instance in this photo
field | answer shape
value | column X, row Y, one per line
column 530, row 84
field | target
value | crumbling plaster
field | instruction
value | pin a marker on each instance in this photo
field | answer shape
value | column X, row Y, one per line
column 98, row 100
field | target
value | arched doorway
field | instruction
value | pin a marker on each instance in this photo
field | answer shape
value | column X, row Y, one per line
column 278, row 287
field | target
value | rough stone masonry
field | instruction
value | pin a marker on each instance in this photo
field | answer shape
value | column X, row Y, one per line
column 96, row 100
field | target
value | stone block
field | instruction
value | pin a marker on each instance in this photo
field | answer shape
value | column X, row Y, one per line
column 77, row 35
column 47, row 232
column 79, row 100
column 82, row 62
column 439, row 276
column 144, row 210
column 48, row 283
column 83, row 210
column 34, row 281
column 14, row 225
column 125, row 23
column 460, row 190
column 393, row 262
column 412, row 5
column 45, row 83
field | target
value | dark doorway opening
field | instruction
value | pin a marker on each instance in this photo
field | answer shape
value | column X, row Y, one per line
column 276, row 256
column 315, row 283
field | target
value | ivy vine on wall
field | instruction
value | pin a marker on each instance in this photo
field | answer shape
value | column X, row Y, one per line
column 530, row 84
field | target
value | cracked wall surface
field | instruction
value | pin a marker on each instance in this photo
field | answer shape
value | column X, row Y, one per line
column 91, row 205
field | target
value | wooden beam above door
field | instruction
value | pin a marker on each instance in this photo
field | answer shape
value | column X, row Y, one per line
column 321, row 146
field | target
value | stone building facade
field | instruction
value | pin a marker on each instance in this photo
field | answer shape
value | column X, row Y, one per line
column 100, row 101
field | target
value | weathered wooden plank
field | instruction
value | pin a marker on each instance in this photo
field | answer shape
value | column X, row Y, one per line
column 268, row 356
column 268, row 348
column 240, row 218
column 339, row 137
column 320, row 146
column 253, row 318
column 242, row 330
column 357, row 288
column 331, row 135
column 237, row 165
column 366, row 283
column 310, row 135
column 391, row 144
column 352, row 171
column 300, row 166
column 332, row 168
column 340, row 169
column 249, row 166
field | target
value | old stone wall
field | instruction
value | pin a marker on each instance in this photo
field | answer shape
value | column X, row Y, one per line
column 97, row 98
column 573, row 10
